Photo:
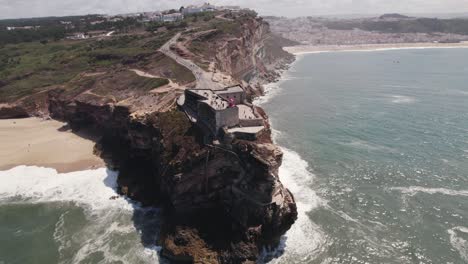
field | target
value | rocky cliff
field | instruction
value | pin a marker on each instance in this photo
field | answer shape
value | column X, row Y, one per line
column 221, row 203
column 241, row 47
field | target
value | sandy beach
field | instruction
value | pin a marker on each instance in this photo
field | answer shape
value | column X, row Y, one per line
column 38, row 142
column 306, row 49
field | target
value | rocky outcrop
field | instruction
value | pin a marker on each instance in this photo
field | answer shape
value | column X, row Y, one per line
column 251, row 55
column 221, row 203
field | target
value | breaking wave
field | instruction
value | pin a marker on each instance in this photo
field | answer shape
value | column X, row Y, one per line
column 305, row 239
column 458, row 243
column 413, row 190
column 401, row 99
column 109, row 228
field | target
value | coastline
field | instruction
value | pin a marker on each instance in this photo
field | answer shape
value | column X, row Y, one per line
column 42, row 143
column 304, row 238
column 311, row 49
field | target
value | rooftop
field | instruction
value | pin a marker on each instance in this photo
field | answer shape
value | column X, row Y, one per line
column 212, row 99
column 246, row 112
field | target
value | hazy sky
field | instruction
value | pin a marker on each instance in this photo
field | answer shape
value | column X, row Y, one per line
column 34, row 8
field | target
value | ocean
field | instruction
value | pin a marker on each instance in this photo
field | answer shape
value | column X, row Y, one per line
column 375, row 151
column 47, row 217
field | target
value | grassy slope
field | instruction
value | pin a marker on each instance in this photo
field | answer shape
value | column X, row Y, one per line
column 28, row 68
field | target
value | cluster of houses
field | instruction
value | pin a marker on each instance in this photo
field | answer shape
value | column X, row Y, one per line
column 206, row 7
column 164, row 16
column 161, row 17
column 168, row 16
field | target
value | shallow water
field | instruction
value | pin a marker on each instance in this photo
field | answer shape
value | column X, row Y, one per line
column 380, row 160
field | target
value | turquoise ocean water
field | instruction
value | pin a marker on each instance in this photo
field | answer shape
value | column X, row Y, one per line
column 383, row 136
column 376, row 154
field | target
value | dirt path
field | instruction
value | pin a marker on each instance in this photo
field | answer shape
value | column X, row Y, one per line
column 164, row 89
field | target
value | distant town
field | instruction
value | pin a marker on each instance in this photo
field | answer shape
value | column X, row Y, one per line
column 388, row 28
column 165, row 16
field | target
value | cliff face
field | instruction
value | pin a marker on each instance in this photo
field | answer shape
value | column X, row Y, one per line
column 221, row 204
column 241, row 47
column 255, row 56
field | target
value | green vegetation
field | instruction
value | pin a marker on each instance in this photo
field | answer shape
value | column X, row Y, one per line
column 203, row 17
column 123, row 81
column 227, row 27
column 32, row 67
column 147, row 84
column 52, row 28
column 154, row 26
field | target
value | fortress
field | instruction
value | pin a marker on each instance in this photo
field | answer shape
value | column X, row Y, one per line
column 222, row 111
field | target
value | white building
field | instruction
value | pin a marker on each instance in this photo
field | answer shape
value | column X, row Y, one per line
column 25, row 27
column 172, row 17
column 191, row 10
column 206, row 7
column 152, row 16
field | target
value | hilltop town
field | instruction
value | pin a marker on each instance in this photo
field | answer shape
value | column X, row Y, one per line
column 83, row 27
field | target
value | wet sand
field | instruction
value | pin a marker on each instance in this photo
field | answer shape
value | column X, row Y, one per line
column 305, row 49
column 42, row 143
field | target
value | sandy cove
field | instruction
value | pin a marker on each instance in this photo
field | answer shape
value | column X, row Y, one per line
column 306, row 49
column 38, row 142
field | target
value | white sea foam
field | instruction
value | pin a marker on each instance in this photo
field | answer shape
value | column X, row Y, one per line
column 92, row 188
column 401, row 99
column 108, row 222
column 271, row 90
column 305, row 239
column 458, row 243
column 413, row 190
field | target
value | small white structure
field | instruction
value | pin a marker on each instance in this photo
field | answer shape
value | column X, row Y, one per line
column 206, row 7
column 152, row 16
column 78, row 36
column 25, row 27
column 172, row 17
column 191, row 10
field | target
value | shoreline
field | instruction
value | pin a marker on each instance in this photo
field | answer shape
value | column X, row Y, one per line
column 45, row 143
column 313, row 49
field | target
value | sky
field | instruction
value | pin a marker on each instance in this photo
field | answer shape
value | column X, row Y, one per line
column 290, row 8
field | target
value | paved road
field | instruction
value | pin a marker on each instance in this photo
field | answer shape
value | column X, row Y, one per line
column 203, row 78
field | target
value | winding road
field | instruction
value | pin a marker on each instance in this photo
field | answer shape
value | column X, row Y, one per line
column 202, row 77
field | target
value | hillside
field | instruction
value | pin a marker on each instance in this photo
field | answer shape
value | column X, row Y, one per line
column 222, row 199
